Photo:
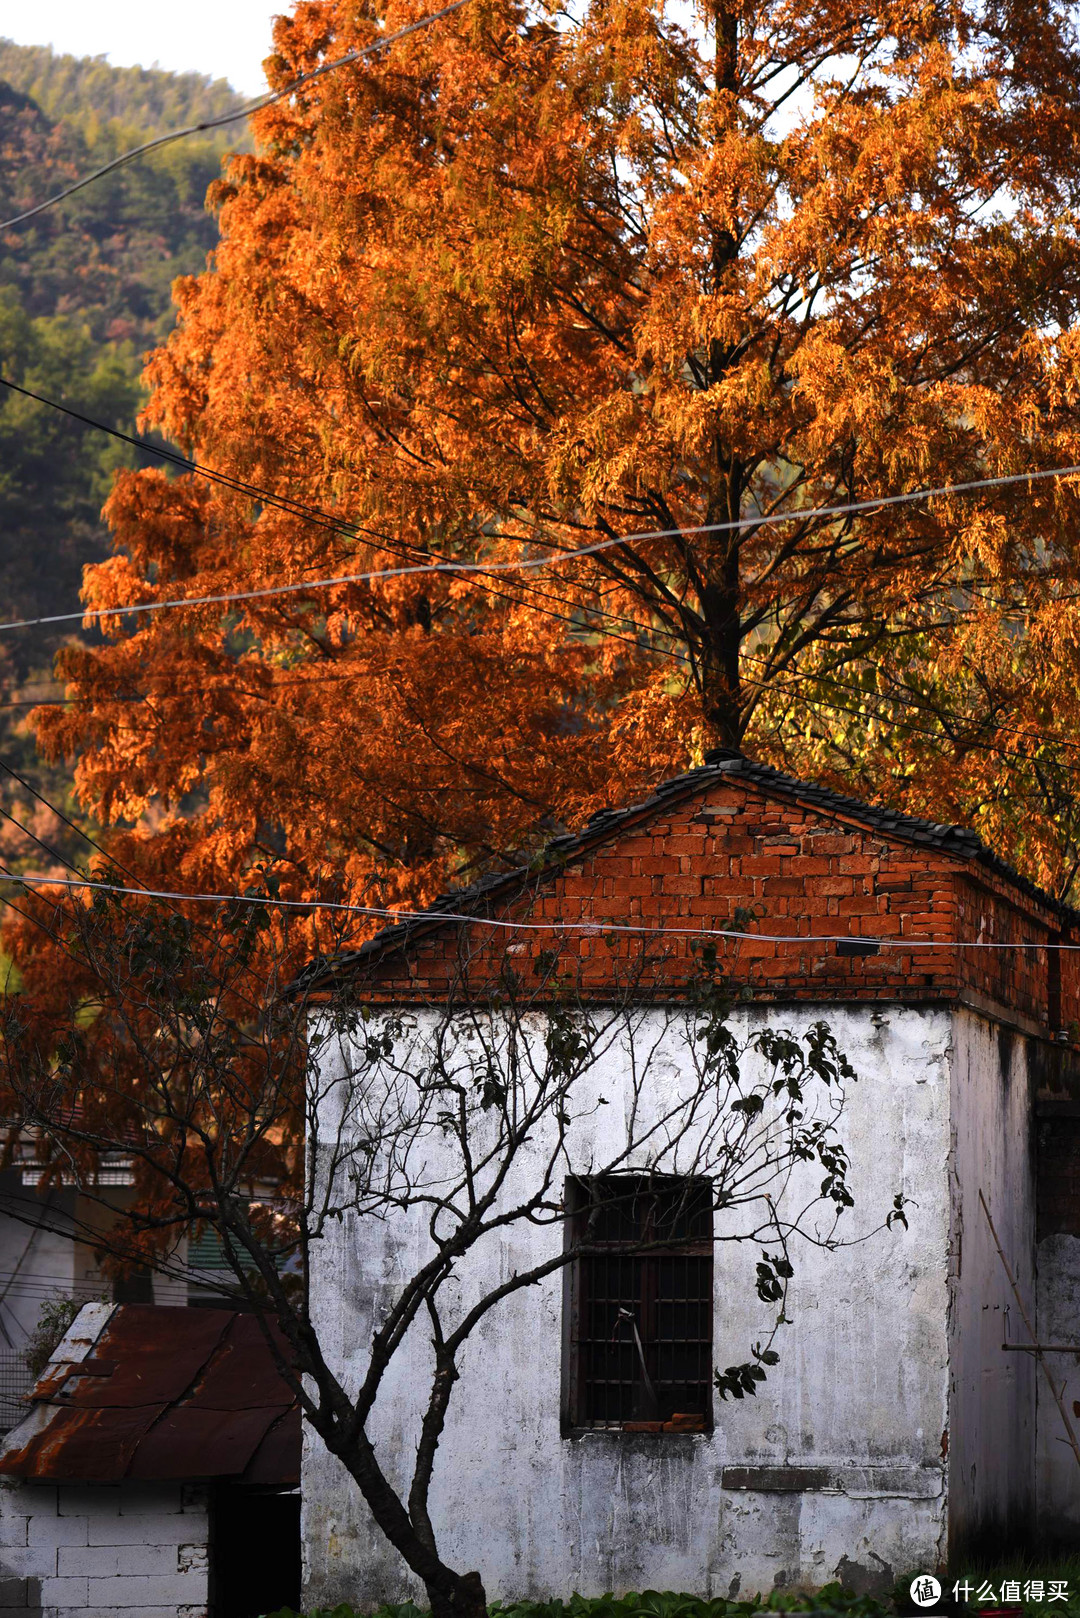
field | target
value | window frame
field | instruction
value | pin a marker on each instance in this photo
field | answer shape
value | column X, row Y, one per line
column 577, row 1201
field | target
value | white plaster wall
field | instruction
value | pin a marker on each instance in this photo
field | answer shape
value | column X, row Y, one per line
column 34, row 1263
column 992, row 1402
column 860, row 1393
column 95, row 1550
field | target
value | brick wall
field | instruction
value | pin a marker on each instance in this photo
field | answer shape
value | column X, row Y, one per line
column 799, row 870
column 99, row 1550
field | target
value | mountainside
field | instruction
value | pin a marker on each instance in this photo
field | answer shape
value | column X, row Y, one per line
column 107, row 256
column 84, row 293
column 82, row 88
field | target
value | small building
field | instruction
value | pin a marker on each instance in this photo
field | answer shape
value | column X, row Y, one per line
column 48, row 1255
column 53, row 1235
column 155, row 1473
column 906, row 1422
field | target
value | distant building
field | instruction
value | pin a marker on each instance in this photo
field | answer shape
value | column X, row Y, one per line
column 155, row 1474
column 48, row 1254
column 906, row 1419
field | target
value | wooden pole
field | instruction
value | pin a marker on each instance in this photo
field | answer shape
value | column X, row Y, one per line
column 1058, row 1400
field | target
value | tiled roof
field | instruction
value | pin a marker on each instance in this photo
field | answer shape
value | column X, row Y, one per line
column 719, row 765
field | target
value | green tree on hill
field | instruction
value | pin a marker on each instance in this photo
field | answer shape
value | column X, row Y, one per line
column 84, row 294
column 76, row 88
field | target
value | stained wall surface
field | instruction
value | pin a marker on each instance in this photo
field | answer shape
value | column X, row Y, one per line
column 837, row 1468
column 991, row 1436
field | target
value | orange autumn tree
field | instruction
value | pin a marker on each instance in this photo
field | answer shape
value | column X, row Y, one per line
column 534, row 280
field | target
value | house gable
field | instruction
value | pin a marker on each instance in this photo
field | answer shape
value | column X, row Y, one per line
column 831, row 899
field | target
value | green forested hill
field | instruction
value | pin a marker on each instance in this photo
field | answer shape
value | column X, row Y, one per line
column 84, row 293
column 84, row 89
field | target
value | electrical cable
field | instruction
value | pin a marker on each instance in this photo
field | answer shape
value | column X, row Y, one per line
column 56, row 853
column 315, row 515
column 323, row 518
column 449, row 566
column 245, row 111
column 439, row 917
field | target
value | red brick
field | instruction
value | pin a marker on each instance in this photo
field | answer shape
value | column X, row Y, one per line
column 816, row 879
column 681, row 885
column 761, row 865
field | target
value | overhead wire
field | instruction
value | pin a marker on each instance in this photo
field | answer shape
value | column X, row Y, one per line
column 556, row 925
column 451, row 566
column 245, row 111
column 472, row 570
column 228, row 954
column 323, row 518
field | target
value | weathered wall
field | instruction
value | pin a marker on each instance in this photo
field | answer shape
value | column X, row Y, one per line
column 1058, row 1237
column 93, row 1551
column 835, row 1466
column 991, row 1437
column 33, row 1262
column 1059, row 1322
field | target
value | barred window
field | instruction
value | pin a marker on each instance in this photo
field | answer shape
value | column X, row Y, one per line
column 640, row 1303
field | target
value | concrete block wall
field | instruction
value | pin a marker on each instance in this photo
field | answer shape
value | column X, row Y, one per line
column 99, row 1550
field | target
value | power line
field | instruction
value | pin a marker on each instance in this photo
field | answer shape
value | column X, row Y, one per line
column 592, row 928
column 775, row 684
column 231, row 117
column 453, row 566
column 325, row 519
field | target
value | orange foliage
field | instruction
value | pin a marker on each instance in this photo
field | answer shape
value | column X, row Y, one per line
column 527, row 281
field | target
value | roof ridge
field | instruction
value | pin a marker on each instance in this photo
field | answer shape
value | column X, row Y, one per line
column 717, row 764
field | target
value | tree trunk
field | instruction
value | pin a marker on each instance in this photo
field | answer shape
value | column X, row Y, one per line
column 721, row 608
column 717, row 656
column 718, row 660
column 452, row 1595
column 461, row 1596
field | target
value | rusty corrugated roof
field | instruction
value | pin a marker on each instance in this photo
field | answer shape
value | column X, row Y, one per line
column 141, row 1391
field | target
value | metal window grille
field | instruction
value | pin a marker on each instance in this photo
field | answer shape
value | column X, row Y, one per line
column 15, row 1383
column 641, row 1302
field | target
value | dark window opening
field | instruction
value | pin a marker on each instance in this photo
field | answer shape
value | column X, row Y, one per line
column 136, row 1286
column 255, row 1561
column 641, row 1303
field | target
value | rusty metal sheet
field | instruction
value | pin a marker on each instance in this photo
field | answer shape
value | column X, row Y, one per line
column 156, row 1359
column 188, row 1443
column 242, row 1374
column 163, row 1394
column 276, row 1462
column 83, row 1446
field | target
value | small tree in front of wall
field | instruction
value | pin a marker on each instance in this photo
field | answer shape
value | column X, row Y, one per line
column 250, row 1112
column 56, row 1315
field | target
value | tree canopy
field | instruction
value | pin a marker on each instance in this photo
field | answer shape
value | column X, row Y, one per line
column 536, row 280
